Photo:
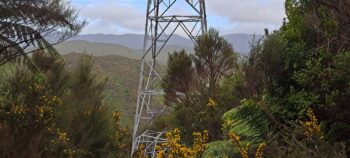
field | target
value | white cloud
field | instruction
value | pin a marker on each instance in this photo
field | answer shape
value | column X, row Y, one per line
column 229, row 16
column 112, row 17
column 247, row 16
column 266, row 11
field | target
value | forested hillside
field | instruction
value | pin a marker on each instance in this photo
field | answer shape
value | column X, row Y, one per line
column 122, row 81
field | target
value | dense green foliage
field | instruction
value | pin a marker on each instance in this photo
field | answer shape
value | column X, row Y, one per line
column 45, row 110
column 287, row 98
column 57, row 113
column 304, row 65
column 192, row 81
column 317, row 61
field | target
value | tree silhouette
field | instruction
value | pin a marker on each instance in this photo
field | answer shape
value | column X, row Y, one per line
column 214, row 58
column 35, row 24
column 192, row 84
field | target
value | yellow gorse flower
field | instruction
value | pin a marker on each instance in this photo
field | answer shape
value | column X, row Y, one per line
column 41, row 111
column 176, row 149
column 234, row 137
column 38, row 87
column 227, row 124
column 312, row 126
column 160, row 152
column 260, row 151
column 140, row 153
column 18, row 109
column 116, row 116
column 211, row 103
column 51, row 101
column 243, row 150
column 62, row 136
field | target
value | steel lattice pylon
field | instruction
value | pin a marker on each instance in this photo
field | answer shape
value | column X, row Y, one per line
column 161, row 24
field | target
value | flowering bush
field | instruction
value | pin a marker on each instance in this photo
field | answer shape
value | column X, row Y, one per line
column 244, row 149
column 174, row 148
column 29, row 121
column 311, row 127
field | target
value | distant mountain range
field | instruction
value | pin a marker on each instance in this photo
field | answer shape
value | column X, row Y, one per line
column 105, row 49
column 240, row 42
column 132, row 41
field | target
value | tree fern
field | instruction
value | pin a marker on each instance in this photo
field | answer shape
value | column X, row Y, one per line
column 35, row 24
column 247, row 121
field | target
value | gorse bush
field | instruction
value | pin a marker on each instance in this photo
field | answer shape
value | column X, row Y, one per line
column 40, row 119
column 174, row 147
column 27, row 113
column 45, row 110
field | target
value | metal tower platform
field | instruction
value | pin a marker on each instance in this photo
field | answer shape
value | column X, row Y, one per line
column 164, row 18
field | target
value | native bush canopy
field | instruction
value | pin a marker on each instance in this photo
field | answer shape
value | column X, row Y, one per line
column 290, row 92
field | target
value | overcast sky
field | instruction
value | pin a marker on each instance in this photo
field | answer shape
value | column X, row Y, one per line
column 228, row 16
